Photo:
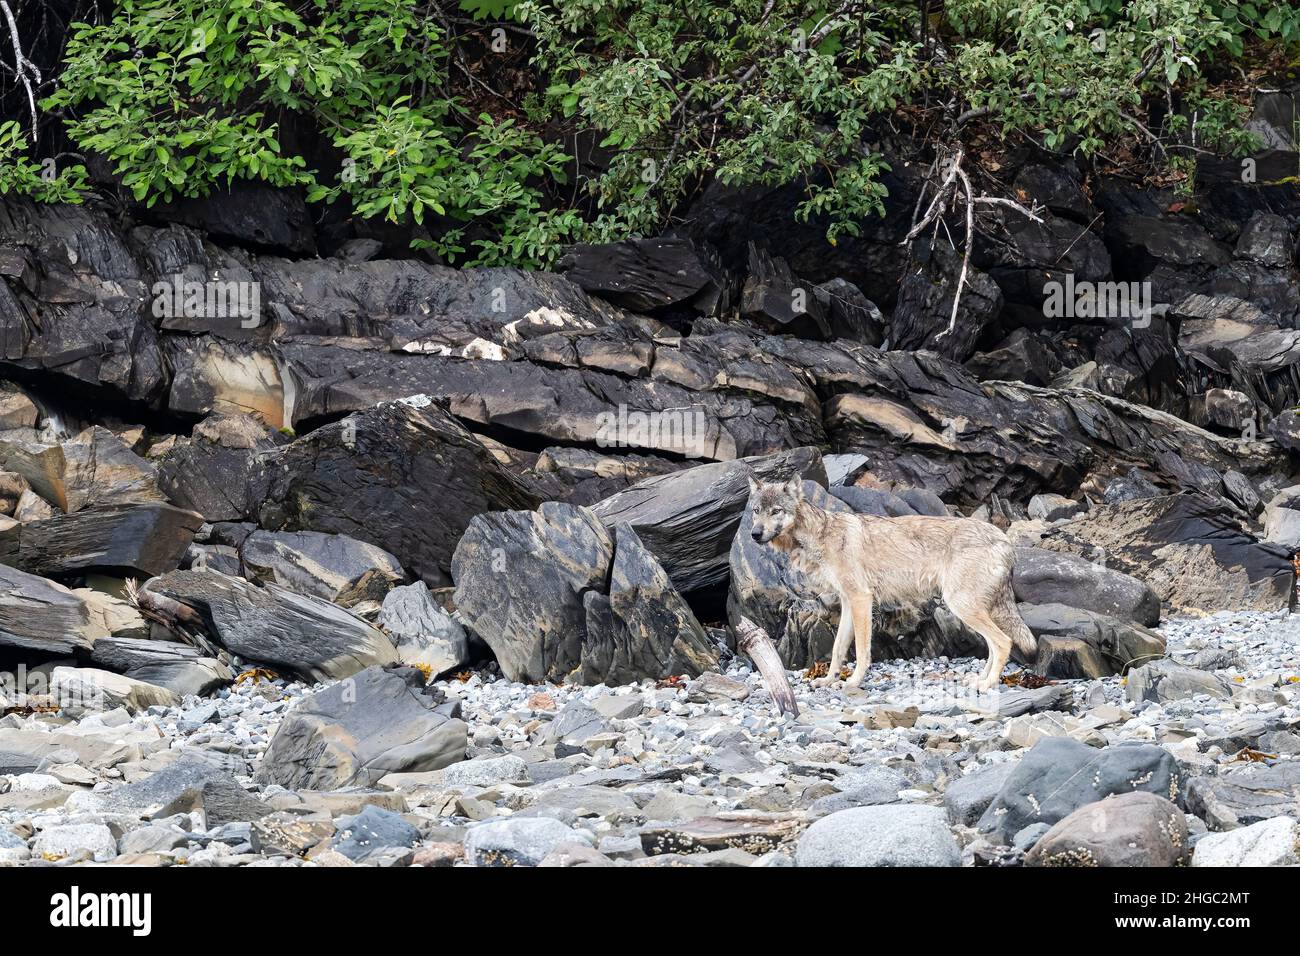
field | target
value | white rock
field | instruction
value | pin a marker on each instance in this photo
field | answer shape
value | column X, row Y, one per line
column 1273, row 842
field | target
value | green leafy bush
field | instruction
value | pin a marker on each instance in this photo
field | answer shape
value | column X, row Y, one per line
column 184, row 96
column 180, row 97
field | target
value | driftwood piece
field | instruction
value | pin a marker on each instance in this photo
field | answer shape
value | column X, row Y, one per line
column 758, row 647
column 181, row 619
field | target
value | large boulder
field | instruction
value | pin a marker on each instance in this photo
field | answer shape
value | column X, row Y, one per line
column 521, row 580
column 1059, row 775
column 642, row 627
column 1050, row 577
column 404, row 476
column 553, row 593
column 688, row 518
column 292, row 633
column 356, row 731
column 1127, row 829
column 124, row 539
column 1190, row 549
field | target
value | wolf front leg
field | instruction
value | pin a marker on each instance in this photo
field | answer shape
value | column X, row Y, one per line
column 860, row 605
column 840, row 650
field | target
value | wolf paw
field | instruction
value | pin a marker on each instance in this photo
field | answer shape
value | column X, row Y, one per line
column 826, row 681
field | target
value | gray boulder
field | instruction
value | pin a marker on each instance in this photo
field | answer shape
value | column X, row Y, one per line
column 642, row 627
column 356, row 731
column 404, row 476
column 423, row 632
column 1050, row 577
column 1128, row 829
column 894, row 835
column 521, row 578
column 1059, row 775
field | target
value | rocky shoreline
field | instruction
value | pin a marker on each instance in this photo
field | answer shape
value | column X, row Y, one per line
column 1201, row 764
column 408, row 564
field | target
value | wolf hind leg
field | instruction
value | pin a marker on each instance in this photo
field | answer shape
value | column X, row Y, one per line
column 1006, row 615
column 980, row 620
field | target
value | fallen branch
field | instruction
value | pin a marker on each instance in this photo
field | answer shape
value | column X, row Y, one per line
column 181, row 619
column 757, row 646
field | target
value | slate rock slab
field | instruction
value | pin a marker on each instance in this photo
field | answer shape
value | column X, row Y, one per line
column 356, row 731
column 521, row 578
column 290, row 633
column 126, row 539
column 1240, row 798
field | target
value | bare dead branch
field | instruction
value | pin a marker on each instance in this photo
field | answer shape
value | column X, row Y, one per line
column 25, row 69
column 757, row 646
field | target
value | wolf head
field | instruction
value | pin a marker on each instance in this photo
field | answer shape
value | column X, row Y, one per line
column 772, row 507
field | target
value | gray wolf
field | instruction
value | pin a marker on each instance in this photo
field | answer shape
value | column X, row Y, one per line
column 866, row 559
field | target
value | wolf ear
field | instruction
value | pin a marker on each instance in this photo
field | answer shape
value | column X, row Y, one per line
column 794, row 487
column 753, row 485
